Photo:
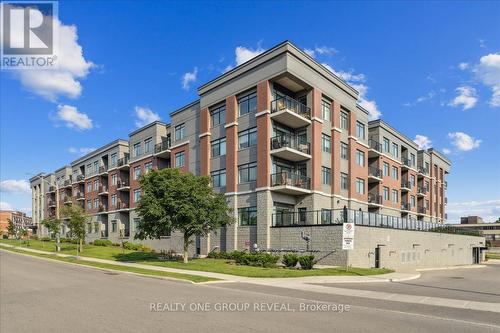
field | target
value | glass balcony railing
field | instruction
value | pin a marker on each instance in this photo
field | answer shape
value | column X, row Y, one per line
column 288, row 103
column 290, row 141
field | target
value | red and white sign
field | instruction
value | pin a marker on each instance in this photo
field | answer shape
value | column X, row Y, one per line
column 348, row 236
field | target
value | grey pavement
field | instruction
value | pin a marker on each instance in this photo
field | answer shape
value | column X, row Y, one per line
column 45, row 296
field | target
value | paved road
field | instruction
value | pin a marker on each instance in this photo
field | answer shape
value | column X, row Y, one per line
column 42, row 296
column 473, row 284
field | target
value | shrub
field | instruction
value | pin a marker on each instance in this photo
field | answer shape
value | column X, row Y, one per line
column 307, row 261
column 255, row 259
column 45, row 239
column 290, row 260
column 102, row 242
column 34, row 237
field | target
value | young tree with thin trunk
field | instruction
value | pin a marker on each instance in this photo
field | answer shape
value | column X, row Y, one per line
column 172, row 200
column 54, row 227
column 77, row 221
column 11, row 228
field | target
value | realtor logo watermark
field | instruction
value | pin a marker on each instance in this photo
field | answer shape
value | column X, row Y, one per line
column 29, row 34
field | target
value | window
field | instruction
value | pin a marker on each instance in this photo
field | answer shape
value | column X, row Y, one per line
column 326, row 143
column 360, row 130
column 96, row 185
column 412, row 201
column 114, row 179
column 326, row 110
column 326, row 175
column 89, row 204
column 137, row 172
column 247, row 216
column 113, row 200
column 395, row 151
column 395, row 173
column 386, row 169
column 180, row 132
column 427, row 166
column 148, row 145
column 387, row 145
column 89, row 228
column 89, row 169
column 412, row 159
column 412, row 181
column 247, row 104
column 360, row 158
column 89, row 187
column 360, row 186
column 344, row 120
column 179, row 159
column 218, row 178
column 96, row 203
column 326, row 216
column 114, row 159
column 344, row 183
column 113, row 226
column 386, row 193
column 219, row 147
column 247, row 172
column 148, row 167
column 218, row 116
column 137, row 149
column 137, row 195
column 343, row 151
column 96, row 167
column 394, row 196
column 247, row 138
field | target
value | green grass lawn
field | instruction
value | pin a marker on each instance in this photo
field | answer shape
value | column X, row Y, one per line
column 207, row 265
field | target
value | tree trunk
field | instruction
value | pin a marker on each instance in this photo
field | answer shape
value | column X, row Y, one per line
column 186, row 245
column 81, row 245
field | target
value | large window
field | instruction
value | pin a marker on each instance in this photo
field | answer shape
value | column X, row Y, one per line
column 137, row 172
column 247, row 138
column 394, row 195
column 326, row 143
column 89, row 204
column 386, row 169
column 412, row 181
column 326, row 216
column 360, row 186
column 114, row 159
column 344, row 182
column 412, row 201
column 387, row 145
column 412, row 159
column 395, row 173
column 219, row 147
column 114, row 179
column 386, row 193
column 137, row 195
column 360, row 158
column 113, row 200
column 96, row 167
column 326, row 110
column 180, row 132
column 148, row 145
column 218, row 116
column 247, row 172
column 247, row 104
column 395, row 150
column 179, row 159
column 247, row 216
column 344, row 120
column 89, row 187
column 218, row 178
column 96, row 185
column 360, row 130
column 344, row 151
column 148, row 167
column 137, row 149
column 326, row 175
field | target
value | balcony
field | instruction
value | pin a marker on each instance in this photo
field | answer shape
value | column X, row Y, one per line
column 67, row 200
column 445, row 200
column 405, row 186
column 405, row 207
column 290, row 183
column 163, row 149
column 102, row 209
column 103, row 190
column 405, row 163
column 51, row 203
column 374, row 200
column 52, row 189
column 374, row 174
column 290, row 112
column 422, row 172
column 103, row 170
column 80, row 196
column 123, row 163
column 67, row 183
column 122, row 206
column 422, row 210
column 123, row 186
column 375, row 148
column 290, row 147
column 422, row 191
column 80, row 179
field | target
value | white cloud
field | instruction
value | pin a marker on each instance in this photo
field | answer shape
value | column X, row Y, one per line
column 430, row 95
column 446, row 151
column 422, row 141
column 72, row 118
column 5, row 206
column 463, row 142
column 489, row 210
column 243, row 54
column 189, row 78
column 13, row 186
column 463, row 65
column 65, row 79
column 81, row 151
column 467, row 98
column 488, row 71
column 321, row 50
column 145, row 116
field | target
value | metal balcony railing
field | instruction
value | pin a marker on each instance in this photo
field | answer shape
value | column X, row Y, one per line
column 122, row 183
column 422, row 190
column 79, row 195
column 103, row 169
column 67, row 182
column 406, row 162
column 52, row 188
column 375, row 145
column 423, row 171
column 159, row 147
column 406, row 184
column 374, row 198
column 290, row 141
column 290, row 179
column 103, row 189
column 102, row 208
column 375, row 172
column 422, row 210
column 405, row 206
column 80, row 178
column 288, row 103
column 123, row 161
column 122, row 205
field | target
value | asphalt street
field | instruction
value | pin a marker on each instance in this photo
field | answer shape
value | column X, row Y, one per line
column 43, row 296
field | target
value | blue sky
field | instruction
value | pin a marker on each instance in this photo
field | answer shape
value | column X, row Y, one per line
column 430, row 69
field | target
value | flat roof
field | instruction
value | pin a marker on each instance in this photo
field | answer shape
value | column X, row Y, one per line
column 391, row 129
column 156, row 122
column 100, row 150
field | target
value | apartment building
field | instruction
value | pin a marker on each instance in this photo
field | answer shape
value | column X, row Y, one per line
column 19, row 219
column 285, row 140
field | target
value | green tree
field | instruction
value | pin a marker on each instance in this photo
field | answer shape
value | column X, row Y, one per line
column 54, row 227
column 77, row 221
column 11, row 228
column 178, row 201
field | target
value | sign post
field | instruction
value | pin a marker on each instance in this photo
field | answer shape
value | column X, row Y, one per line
column 347, row 238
